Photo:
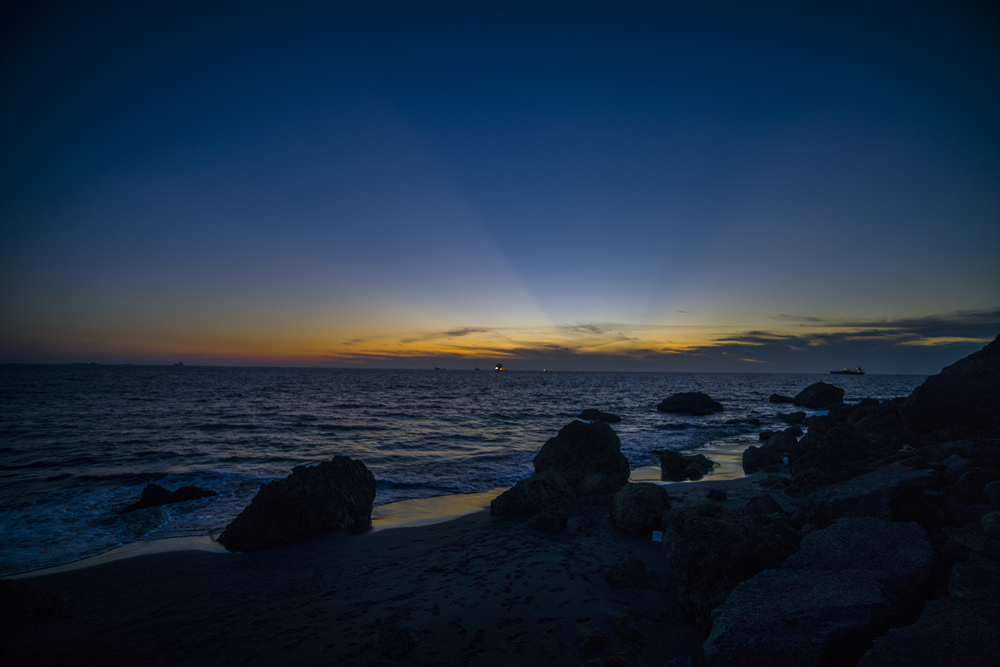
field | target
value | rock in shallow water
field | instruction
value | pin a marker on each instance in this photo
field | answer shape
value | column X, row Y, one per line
column 691, row 402
column 311, row 501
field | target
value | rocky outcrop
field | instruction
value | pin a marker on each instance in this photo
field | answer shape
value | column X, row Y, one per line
column 334, row 495
column 692, row 403
column 534, row 495
column 819, row 396
column 595, row 415
column 779, row 398
column 711, row 550
column 154, row 495
column 675, row 466
column 758, row 458
column 581, row 449
column 967, row 394
column 846, row 585
column 637, row 508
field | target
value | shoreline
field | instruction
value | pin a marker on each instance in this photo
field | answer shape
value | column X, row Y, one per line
column 410, row 513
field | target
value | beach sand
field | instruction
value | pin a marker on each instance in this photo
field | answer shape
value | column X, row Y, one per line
column 471, row 590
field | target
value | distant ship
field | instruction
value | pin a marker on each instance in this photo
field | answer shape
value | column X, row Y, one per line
column 848, row 371
column 498, row 367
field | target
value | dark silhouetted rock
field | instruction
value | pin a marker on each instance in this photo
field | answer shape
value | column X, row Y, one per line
column 311, row 501
column 819, row 396
column 967, row 393
column 581, row 449
column 628, row 573
column 878, row 494
column 711, row 550
column 798, row 617
column 597, row 484
column 534, row 495
column 783, row 441
column 637, row 507
column 395, row 642
column 154, row 495
column 758, row 458
column 675, row 466
column 793, row 417
column 691, row 402
column 831, row 450
column 595, row 415
column 778, row 398
column 716, row 494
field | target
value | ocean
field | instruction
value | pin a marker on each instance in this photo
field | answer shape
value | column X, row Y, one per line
column 79, row 442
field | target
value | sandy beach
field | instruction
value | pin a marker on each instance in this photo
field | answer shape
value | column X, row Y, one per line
column 473, row 590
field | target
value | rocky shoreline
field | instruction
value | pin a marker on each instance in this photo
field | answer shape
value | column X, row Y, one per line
column 868, row 535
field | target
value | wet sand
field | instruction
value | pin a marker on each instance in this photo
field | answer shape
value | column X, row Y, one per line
column 472, row 590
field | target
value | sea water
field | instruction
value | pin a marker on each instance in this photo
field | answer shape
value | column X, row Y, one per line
column 79, row 442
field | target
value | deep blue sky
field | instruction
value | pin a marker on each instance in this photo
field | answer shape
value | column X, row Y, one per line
column 658, row 186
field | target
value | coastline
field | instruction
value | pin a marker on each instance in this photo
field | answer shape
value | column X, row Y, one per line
column 473, row 589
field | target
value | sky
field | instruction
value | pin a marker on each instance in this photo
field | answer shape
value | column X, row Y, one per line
column 697, row 186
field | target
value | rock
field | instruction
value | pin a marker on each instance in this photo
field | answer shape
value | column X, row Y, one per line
column 837, row 451
column 636, row 508
column 311, row 501
column 778, row 398
column 819, row 396
column 762, row 505
column 593, row 414
column 154, row 495
column 793, row 417
column 798, row 617
column 716, row 494
column 900, row 553
column 581, row 449
column 675, row 466
column 711, row 550
column 783, row 441
column 628, row 573
column 597, row 484
column 692, row 402
column 878, row 493
column 534, row 495
column 758, row 458
column 991, row 525
column 967, row 393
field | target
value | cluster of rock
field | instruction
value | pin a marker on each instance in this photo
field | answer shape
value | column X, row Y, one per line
column 889, row 549
column 583, row 460
column 155, row 495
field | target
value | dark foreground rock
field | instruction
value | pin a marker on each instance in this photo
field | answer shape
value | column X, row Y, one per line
column 967, row 394
column 534, row 495
column 637, row 508
column 819, row 396
column 155, row 495
column 845, row 586
column 334, row 495
column 675, row 466
column 595, row 415
column 691, row 402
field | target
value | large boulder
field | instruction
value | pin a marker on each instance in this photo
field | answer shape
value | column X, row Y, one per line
column 819, row 396
column 690, row 402
column 845, row 586
column 637, row 508
column 581, row 449
column 758, row 458
column 311, row 501
column 883, row 493
column 967, row 393
column 155, row 495
column 712, row 550
column 539, row 493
